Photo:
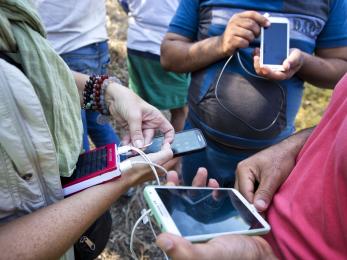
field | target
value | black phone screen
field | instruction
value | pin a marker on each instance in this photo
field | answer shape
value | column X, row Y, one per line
column 275, row 44
column 207, row 211
column 184, row 142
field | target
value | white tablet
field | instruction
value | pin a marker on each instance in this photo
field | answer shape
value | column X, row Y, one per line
column 199, row 214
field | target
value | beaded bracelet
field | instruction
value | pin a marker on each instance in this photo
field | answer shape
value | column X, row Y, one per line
column 94, row 94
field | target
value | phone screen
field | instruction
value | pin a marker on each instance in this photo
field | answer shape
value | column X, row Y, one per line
column 184, row 142
column 275, row 44
column 207, row 211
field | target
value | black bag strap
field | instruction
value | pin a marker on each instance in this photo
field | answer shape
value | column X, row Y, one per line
column 7, row 58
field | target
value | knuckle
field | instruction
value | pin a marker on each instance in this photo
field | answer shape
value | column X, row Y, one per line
column 252, row 14
column 265, row 193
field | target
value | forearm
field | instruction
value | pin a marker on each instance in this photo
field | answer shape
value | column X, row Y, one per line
column 322, row 72
column 294, row 143
column 49, row 232
column 80, row 80
column 183, row 56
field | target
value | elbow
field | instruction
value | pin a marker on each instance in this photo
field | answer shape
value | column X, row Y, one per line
column 165, row 59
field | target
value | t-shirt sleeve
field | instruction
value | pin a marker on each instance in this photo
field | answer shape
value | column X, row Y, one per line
column 186, row 20
column 334, row 33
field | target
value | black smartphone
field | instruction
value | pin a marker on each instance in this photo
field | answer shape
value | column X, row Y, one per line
column 185, row 142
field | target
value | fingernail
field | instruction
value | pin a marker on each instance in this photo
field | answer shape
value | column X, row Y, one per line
column 139, row 143
column 165, row 244
column 260, row 203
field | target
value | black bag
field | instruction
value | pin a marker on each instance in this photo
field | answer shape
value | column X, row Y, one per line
column 94, row 240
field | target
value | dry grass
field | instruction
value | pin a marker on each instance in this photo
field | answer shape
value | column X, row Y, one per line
column 126, row 210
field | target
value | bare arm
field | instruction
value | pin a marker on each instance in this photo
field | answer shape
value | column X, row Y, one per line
column 49, row 232
column 180, row 54
column 326, row 68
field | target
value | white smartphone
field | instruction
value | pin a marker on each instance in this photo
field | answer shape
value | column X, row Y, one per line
column 199, row 214
column 274, row 44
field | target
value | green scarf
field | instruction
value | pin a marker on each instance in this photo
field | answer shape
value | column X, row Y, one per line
column 22, row 37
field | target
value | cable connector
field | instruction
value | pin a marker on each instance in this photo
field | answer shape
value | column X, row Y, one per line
column 124, row 149
column 145, row 219
column 125, row 165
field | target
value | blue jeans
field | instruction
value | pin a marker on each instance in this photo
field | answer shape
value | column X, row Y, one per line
column 219, row 160
column 92, row 59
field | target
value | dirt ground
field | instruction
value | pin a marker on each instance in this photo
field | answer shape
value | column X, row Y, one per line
column 126, row 211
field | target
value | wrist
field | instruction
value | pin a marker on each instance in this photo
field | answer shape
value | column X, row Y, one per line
column 294, row 143
column 222, row 51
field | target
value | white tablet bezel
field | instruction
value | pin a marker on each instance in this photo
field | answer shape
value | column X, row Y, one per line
column 167, row 224
column 282, row 20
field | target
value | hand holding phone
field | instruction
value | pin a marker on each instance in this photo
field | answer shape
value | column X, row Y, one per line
column 274, row 45
column 185, row 142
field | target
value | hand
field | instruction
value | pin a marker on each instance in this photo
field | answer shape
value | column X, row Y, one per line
column 291, row 66
column 137, row 116
column 223, row 247
column 270, row 168
column 140, row 173
column 242, row 29
column 200, row 179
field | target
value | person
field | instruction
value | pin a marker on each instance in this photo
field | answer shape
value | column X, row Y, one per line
column 252, row 107
column 301, row 185
column 41, row 139
column 147, row 24
column 78, row 34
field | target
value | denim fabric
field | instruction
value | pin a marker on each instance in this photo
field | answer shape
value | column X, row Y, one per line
column 92, row 59
column 220, row 161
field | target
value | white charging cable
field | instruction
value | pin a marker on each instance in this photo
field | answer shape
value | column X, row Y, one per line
column 128, row 164
column 145, row 213
column 133, row 232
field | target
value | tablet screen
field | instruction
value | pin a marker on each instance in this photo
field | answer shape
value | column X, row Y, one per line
column 207, row 211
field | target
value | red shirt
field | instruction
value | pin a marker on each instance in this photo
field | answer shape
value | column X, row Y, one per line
column 308, row 215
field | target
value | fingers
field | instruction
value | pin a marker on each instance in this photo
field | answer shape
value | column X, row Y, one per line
column 168, row 131
column 223, row 247
column 242, row 29
column 164, row 155
column 257, row 17
column 265, row 192
column 291, row 65
column 148, row 135
column 245, row 181
column 212, row 183
column 294, row 61
column 200, row 178
column 172, row 178
column 176, row 247
column 135, row 129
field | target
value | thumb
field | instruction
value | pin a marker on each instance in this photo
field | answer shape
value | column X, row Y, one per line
column 264, row 194
column 176, row 247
